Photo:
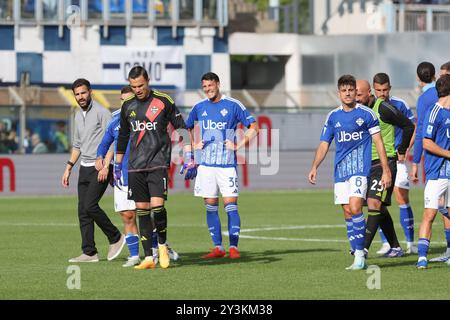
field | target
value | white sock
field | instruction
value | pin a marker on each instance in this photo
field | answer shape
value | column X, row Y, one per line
column 359, row 253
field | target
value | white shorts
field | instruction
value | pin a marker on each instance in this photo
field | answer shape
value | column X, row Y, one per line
column 210, row 180
column 356, row 186
column 121, row 202
column 434, row 190
column 402, row 177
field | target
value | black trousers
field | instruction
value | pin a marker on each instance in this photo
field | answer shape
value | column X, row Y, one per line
column 90, row 191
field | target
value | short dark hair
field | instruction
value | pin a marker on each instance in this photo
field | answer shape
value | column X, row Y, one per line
column 346, row 80
column 381, row 78
column 81, row 82
column 426, row 72
column 210, row 76
column 138, row 71
column 443, row 85
column 446, row 66
column 126, row 89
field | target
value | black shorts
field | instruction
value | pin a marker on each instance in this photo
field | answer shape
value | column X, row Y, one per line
column 375, row 189
column 142, row 186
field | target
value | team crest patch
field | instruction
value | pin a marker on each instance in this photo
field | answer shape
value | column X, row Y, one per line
column 224, row 112
column 429, row 129
column 359, row 122
column 154, row 109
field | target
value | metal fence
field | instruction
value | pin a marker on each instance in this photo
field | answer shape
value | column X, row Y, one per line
column 150, row 13
column 427, row 18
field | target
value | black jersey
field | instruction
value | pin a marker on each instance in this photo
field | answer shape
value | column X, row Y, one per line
column 144, row 123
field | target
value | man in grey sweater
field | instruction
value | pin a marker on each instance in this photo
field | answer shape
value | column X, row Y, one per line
column 91, row 121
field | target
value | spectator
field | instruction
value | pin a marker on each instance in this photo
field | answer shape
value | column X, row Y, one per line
column 61, row 141
column 38, row 145
column 27, row 141
column 12, row 141
column 3, row 141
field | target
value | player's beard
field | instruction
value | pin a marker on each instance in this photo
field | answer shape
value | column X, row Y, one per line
column 88, row 103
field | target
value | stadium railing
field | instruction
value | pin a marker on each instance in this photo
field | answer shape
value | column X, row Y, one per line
column 419, row 17
column 128, row 13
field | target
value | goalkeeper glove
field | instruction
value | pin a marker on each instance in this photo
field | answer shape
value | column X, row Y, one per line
column 189, row 166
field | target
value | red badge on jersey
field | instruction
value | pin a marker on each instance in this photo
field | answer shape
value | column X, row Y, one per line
column 154, row 109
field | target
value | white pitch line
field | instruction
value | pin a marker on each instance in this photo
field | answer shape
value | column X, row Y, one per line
column 290, row 239
column 225, row 233
column 311, row 226
column 27, row 224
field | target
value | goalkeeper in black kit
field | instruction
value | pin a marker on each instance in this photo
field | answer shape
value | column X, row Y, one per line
column 143, row 123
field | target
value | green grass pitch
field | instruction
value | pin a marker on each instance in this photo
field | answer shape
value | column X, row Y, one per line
column 293, row 246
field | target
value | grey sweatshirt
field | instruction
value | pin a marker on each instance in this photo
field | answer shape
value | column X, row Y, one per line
column 89, row 130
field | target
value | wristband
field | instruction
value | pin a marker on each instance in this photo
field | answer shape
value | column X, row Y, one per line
column 70, row 163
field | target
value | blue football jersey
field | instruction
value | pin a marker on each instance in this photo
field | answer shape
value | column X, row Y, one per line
column 218, row 122
column 111, row 135
column 436, row 126
column 403, row 107
column 352, row 132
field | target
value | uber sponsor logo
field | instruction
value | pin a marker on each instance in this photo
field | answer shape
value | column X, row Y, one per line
column 345, row 136
column 141, row 126
column 211, row 125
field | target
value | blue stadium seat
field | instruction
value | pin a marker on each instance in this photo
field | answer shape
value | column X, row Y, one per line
column 140, row 6
column 118, row 6
column 28, row 6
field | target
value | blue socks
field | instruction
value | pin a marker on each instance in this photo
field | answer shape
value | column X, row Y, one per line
column 214, row 227
column 234, row 223
column 407, row 221
column 447, row 237
column 132, row 241
column 382, row 236
column 423, row 245
column 350, row 236
column 359, row 230
column 213, row 221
